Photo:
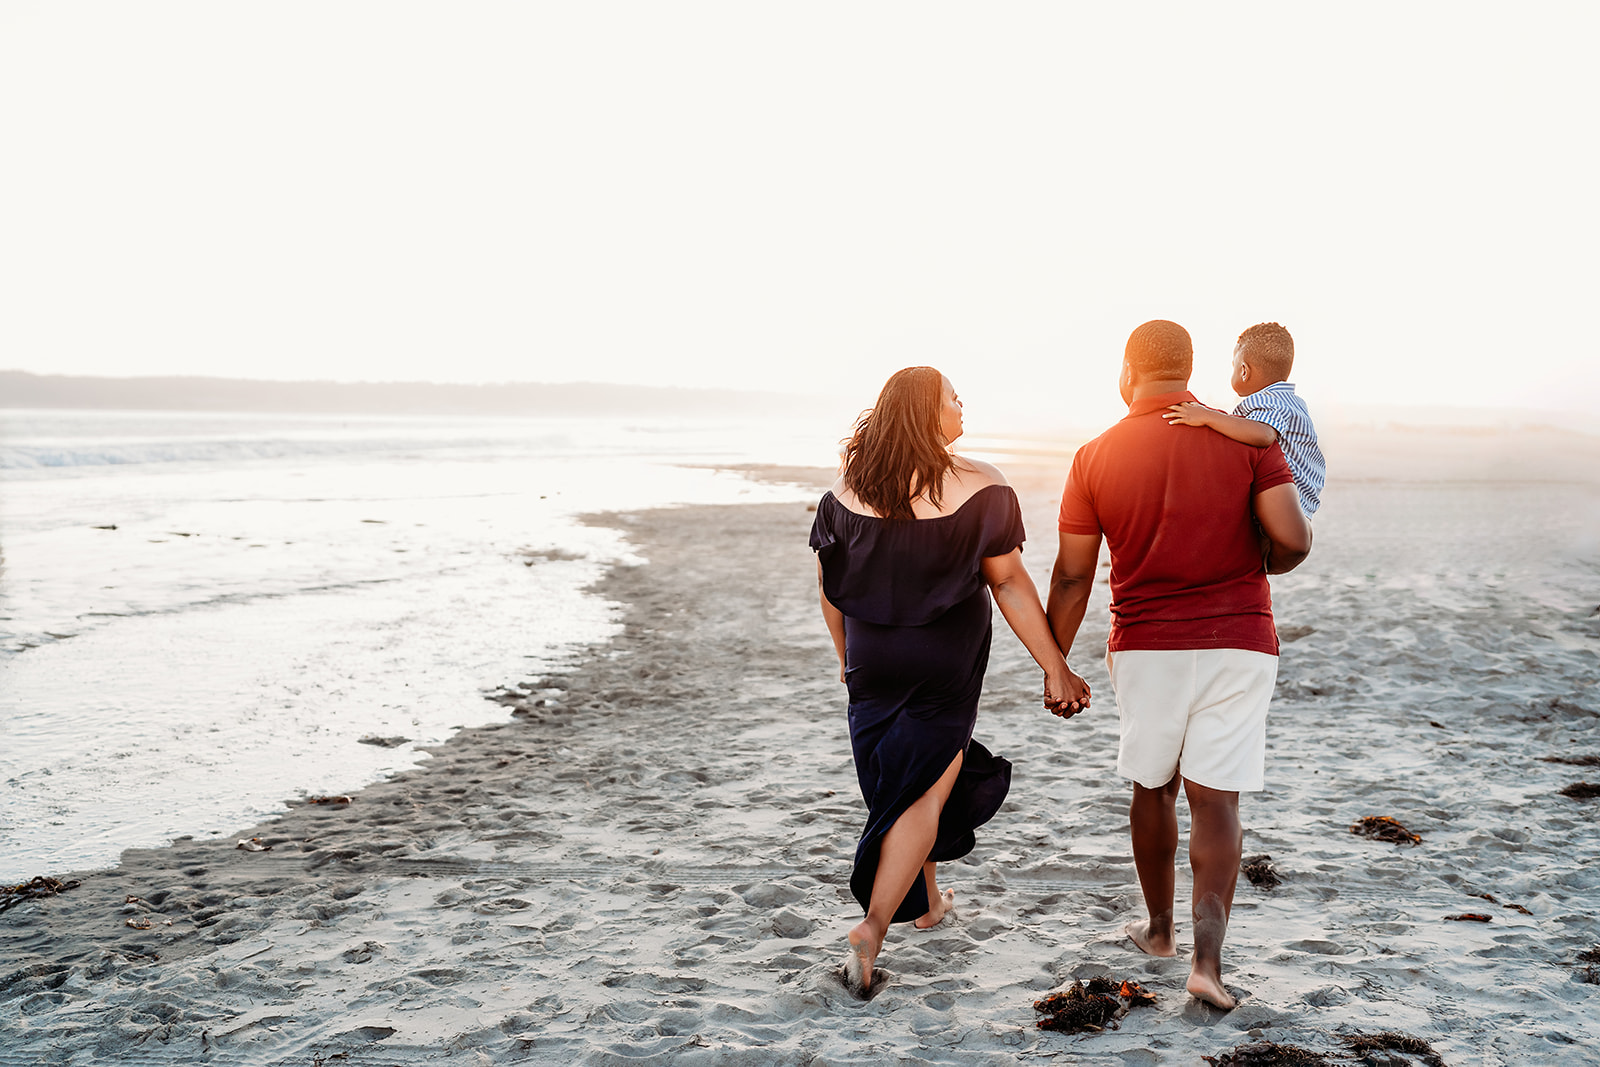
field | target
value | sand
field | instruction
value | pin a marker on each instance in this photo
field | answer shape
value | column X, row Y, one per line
column 649, row 862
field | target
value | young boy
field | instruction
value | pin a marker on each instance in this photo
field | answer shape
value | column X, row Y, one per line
column 1269, row 411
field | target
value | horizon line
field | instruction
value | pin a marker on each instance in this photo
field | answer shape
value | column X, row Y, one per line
column 401, row 397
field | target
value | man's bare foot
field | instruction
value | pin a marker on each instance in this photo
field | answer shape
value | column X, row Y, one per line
column 1209, row 989
column 1148, row 943
column 938, row 908
column 861, row 958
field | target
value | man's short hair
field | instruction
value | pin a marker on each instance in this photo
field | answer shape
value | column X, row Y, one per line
column 1269, row 348
column 1160, row 349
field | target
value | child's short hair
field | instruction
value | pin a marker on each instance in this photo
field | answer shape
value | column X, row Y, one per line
column 1269, row 347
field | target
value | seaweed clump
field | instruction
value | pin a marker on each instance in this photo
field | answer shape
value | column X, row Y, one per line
column 35, row 888
column 1260, row 871
column 1384, row 828
column 1090, row 1008
column 1574, row 761
column 1394, row 1041
column 1268, row 1054
column 1490, row 897
column 1582, row 790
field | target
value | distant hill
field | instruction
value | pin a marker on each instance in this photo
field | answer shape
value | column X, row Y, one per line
column 19, row 389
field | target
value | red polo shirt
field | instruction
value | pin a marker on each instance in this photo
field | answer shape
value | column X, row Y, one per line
column 1173, row 503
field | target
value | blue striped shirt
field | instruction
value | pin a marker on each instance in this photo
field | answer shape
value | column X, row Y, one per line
column 1279, row 407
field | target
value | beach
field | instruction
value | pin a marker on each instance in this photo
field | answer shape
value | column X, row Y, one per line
column 648, row 861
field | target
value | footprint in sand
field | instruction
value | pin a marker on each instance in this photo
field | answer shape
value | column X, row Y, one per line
column 788, row 923
column 364, row 953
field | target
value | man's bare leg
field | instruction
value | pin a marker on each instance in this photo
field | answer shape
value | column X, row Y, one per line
column 1153, row 826
column 939, row 905
column 901, row 858
column 1216, row 842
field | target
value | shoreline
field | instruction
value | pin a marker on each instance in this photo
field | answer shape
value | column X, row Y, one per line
column 191, row 639
column 654, row 867
column 325, row 865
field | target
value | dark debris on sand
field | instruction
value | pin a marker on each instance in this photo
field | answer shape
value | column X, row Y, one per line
column 1090, row 1008
column 1365, row 1046
column 1268, row 1054
column 1393, row 1041
column 1384, row 828
column 1260, row 871
column 1573, row 761
column 33, row 889
column 1582, row 790
column 1490, row 897
column 1470, row 917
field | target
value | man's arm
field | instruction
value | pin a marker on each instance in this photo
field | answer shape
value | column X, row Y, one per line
column 1245, row 431
column 1070, row 582
column 1288, row 533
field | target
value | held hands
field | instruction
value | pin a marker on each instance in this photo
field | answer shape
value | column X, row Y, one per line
column 1188, row 413
column 1065, row 694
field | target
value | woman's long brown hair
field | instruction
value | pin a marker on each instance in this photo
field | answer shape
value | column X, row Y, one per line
column 897, row 452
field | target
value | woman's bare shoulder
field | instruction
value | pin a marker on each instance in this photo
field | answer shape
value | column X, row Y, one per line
column 848, row 500
column 979, row 473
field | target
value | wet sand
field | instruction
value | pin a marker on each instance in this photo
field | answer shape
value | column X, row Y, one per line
column 649, row 862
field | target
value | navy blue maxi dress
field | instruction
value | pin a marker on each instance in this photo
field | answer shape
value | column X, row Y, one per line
column 917, row 624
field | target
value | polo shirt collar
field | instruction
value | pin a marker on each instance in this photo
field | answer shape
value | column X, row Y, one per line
column 1160, row 402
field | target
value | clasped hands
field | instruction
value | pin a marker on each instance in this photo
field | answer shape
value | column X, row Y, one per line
column 1065, row 693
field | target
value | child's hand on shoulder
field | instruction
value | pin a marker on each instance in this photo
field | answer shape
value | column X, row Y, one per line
column 1188, row 413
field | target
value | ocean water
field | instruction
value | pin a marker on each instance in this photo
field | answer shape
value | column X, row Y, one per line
column 203, row 615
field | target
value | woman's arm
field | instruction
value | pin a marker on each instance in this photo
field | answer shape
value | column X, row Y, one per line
column 1066, row 694
column 835, row 620
column 1245, row 431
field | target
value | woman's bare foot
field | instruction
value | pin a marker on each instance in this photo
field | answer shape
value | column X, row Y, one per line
column 938, row 908
column 1208, row 987
column 861, row 958
column 1152, row 944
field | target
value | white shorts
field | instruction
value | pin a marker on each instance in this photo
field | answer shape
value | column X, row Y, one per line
column 1200, row 712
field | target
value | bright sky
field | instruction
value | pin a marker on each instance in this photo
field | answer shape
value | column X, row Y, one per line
column 804, row 196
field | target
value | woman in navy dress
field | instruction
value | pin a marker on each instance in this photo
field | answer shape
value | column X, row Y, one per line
column 910, row 541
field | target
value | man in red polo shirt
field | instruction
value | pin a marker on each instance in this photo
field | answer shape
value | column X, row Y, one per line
column 1193, row 654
